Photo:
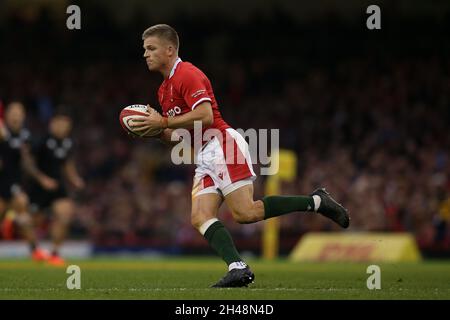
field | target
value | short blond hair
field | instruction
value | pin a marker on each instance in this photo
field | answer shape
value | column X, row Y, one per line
column 163, row 31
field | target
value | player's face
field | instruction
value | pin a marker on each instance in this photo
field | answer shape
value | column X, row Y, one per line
column 61, row 126
column 15, row 116
column 156, row 53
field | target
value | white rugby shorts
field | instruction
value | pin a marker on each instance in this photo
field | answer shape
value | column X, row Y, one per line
column 223, row 165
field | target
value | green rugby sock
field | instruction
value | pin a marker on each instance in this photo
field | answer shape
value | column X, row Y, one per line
column 220, row 240
column 278, row 205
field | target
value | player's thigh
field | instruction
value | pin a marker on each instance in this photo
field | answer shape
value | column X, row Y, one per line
column 240, row 199
column 242, row 205
column 63, row 208
column 205, row 207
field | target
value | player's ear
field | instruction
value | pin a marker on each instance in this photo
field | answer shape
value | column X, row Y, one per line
column 170, row 50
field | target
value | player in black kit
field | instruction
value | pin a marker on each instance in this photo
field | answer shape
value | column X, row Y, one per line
column 15, row 159
column 53, row 157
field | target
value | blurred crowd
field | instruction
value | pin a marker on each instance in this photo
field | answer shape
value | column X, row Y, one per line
column 367, row 117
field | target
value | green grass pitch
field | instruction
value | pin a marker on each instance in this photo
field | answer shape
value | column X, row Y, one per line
column 190, row 278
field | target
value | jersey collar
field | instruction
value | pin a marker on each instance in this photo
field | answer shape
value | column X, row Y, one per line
column 174, row 67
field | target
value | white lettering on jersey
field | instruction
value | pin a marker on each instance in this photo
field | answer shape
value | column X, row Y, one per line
column 174, row 111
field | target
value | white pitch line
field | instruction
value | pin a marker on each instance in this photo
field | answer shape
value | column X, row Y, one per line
column 175, row 289
column 196, row 289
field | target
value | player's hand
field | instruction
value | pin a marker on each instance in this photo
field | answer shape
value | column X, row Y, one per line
column 78, row 183
column 154, row 120
column 48, row 183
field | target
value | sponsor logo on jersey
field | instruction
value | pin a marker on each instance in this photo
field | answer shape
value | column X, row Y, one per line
column 174, row 111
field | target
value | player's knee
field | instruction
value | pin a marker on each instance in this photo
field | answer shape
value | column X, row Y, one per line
column 64, row 218
column 63, row 211
column 249, row 212
column 199, row 218
column 64, row 207
column 243, row 216
column 242, row 219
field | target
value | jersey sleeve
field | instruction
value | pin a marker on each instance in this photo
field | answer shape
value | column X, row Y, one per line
column 194, row 88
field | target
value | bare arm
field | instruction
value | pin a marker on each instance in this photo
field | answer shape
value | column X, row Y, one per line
column 72, row 174
column 29, row 164
column 30, row 167
column 203, row 112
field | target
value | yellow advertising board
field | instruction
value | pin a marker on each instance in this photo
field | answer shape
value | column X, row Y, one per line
column 284, row 169
column 366, row 246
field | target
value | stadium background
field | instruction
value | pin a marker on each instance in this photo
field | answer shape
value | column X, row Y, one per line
column 366, row 111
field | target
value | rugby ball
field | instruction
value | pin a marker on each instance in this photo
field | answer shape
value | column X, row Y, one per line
column 131, row 112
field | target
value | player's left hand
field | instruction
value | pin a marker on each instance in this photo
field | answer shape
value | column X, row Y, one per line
column 154, row 120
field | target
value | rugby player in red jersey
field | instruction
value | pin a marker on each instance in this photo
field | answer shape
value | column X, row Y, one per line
column 186, row 96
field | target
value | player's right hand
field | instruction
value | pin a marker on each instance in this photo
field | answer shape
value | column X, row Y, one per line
column 153, row 121
column 48, row 183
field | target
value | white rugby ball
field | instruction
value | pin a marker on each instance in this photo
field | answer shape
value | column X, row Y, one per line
column 131, row 112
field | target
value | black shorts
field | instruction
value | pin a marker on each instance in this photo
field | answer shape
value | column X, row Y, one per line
column 41, row 199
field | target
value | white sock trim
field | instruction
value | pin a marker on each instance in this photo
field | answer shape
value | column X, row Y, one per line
column 206, row 225
column 237, row 265
column 317, row 202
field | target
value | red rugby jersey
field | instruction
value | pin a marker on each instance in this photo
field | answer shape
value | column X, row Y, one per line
column 184, row 89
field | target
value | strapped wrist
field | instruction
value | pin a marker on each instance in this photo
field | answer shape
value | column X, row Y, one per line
column 164, row 122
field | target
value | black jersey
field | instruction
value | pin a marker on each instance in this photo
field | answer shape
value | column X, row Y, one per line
column 51, row 155
column 11, row 156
